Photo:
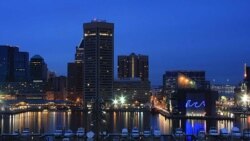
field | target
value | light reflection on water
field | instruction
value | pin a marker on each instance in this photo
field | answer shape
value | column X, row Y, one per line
column 50, row 121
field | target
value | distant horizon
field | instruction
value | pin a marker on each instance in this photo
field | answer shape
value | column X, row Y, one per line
column 213, row 36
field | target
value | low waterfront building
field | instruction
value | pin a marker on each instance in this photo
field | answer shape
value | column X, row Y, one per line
column 134, row 90
column 188, row 93
column 23, row 90
column 224, row 91
column 196, row 102
column 56, row 88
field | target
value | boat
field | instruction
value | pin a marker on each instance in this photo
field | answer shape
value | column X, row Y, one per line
column 235, row 132
column 157, row 133
column 68, row 133
column 58, row 133
column 90, row 135
column 246, row 133
column 224, row 133
column 124, row 132
column 213, row 132
column 25, row 132
column 147, row 133
column 15, row 133
column 65, row 139
column 135, row 132
column 201, row 135
column 178, row 132
column 80, row 132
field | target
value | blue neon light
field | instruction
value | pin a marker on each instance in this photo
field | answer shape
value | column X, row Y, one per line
column 195, row 104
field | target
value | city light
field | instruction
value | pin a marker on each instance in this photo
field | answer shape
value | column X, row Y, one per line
column 245, row 98
column 115, row 101
column 122, row 99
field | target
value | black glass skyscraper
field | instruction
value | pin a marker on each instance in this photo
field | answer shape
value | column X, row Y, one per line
column 13, row 64
column 99, row 60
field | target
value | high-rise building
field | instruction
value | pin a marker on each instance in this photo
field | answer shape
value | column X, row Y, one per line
column 75, row 81
column 246, row 73
column 76, row 74
column 13, row 64
column 38, row 69
column 99, row 60
column 79, row 55
column 133, row 66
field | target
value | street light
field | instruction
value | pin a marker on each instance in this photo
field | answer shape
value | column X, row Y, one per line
column 115, row 101
column 122, row 99
column 245, row 98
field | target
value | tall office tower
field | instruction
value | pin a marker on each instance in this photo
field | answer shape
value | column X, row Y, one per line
column 247, row 77
column 133, row 66
column 79, row 55
column 99, row 60
column 246, row 73
column 76, row 74
column 13, row 64
column 38, row 69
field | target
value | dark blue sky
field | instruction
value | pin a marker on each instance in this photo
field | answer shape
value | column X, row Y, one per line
column 210, row 35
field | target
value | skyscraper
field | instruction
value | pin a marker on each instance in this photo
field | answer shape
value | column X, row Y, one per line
column 99, row 60
column 79, row 55
column 38, row 69
column 13, row 64
column 76, row 74
column 133, row 66
column 246, row 73
column 247, row 77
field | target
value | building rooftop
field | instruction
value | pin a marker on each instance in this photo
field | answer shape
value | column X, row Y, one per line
column 36, row 57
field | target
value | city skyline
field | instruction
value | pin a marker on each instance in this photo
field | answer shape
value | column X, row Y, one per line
column 211, row 36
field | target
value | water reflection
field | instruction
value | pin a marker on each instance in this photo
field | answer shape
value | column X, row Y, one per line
column 50, row 121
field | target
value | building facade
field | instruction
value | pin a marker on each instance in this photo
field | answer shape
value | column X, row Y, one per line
column 134, row 90
column 38, row 69
column 173, row 80
column 99, row 60
column 75, row 81
column 227, row 91
column 76, row 75
column 247, row 77
column 133, row 66
column 56, row 88
column 189, row 93
column 14, row 65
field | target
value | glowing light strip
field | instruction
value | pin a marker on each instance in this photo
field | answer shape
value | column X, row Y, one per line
column 245, row 70
column 195, row 104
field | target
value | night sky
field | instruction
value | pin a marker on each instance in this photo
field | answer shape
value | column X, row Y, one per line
column 210, row 35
